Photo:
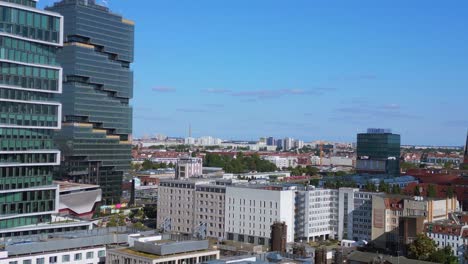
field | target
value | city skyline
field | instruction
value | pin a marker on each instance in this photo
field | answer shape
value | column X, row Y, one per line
column 325, row 72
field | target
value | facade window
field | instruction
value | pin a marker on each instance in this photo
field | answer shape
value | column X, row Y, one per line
column 89, row 255
column 53, row 259
column 101, row 253
column 27, row 261
column 40, row 260
column 66, row 258
column 78, row 256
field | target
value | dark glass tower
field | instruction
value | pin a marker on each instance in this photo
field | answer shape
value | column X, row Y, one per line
column 465, row 156
column 378, row 151
column 29, row 77
column 98, row 85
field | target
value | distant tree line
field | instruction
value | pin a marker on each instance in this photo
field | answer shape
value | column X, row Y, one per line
column 149, row 165
column 240, row 164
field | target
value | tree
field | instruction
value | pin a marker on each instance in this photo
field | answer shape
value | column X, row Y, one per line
column 448, row 165
column 137, row 214
column 116, row 220
column 384, row 187
column 407, row 165
column 422, row 247
column 431, row 191
column 370, row 187
column 450, row 192
column 139, row 226
column 147, row 164
column 396, row 189
column 340, row 173
column 416, row 191
column 444, row 255
column 150, row 211
column 314, row 182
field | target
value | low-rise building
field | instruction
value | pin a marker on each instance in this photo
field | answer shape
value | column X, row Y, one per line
column 78, row 200
column 75, row 248
column 387, row 210
column 164, row 252
column 448, row 234
column 188, row 167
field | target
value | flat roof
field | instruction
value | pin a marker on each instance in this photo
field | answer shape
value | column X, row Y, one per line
column 132, row 251
column 65, row 186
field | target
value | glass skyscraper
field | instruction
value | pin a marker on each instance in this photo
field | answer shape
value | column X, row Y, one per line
column 378, row 151
column 465, row 156
column 29, row 78
column 98, row 85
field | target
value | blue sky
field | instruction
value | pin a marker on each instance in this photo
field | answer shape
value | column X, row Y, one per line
column 243, row 69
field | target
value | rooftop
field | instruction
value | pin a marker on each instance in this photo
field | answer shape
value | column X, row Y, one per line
column 367, row 257
column 65, row 186
column 134, row 252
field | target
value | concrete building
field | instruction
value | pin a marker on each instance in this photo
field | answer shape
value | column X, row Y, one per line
column 317, row 214
column 333, row 161
column 451, row 234
column 75, row 248
column 282, row 162
column 164, row 252
column 251, row 210
column 298, row 144
column 210, row 208
column 288, row 143
column 354, row 214
column 387, row 210
column 188, row 167
column 188, row 205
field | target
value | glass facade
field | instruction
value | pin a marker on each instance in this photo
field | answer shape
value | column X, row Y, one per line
column 98, row 85
column 29, row 77
column 379, row 153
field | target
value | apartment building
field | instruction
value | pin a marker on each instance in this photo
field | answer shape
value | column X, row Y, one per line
column 388, row 209
column 317, row 214
column 189, row 205
column 252, row 209
column 448, row 233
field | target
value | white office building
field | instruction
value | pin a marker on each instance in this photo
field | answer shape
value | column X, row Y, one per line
column 251, row 210
column 317, row 214
column 188, row 167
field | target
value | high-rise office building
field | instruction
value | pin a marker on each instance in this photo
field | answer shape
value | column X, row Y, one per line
column 378, row 151
column 98, row 85
column 465, row 157
column 29, row 77
column 270, row 141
